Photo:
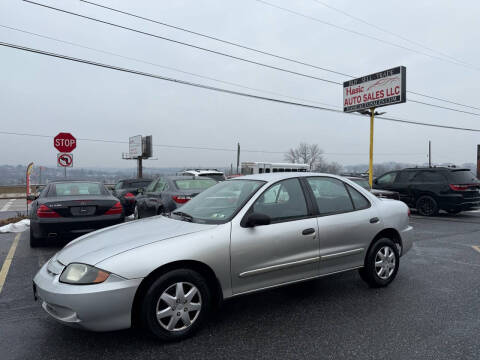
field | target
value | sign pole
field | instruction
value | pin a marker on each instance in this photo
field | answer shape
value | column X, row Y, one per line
column 370, row 165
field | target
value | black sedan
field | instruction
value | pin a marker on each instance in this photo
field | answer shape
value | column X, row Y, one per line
column 70, row 209
column 126, row 190
column 165, row 194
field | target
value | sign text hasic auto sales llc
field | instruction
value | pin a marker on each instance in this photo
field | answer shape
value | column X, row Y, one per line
column 380, row 89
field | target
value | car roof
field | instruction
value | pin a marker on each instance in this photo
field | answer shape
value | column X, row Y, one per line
column 74, row 181
column 438, row 168
column 273, row 177
column 203, row 171
column 135, row 179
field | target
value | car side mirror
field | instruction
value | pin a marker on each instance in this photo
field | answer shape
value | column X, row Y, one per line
column 257, row 219
column 32, row 197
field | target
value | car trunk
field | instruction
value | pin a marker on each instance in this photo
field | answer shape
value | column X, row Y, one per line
column 72, row 207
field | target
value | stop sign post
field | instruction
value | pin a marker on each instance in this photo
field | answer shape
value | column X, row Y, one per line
column 65, row 143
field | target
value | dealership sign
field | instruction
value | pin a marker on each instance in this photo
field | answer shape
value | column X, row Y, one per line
column 380, row 89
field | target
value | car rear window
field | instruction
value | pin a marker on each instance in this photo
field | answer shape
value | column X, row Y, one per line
column 214, row 176
column 137, row 184
column 196, row 184
column 462, row 177
column 75, row 189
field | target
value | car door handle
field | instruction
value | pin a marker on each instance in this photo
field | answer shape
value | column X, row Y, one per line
column 374, row 220
column 308, row 231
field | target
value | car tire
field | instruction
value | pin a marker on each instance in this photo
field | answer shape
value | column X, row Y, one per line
column 34, row 241
column 182, row 314
column 160, row 210
column 136, row 214
column 427, row 206
column 381, row 263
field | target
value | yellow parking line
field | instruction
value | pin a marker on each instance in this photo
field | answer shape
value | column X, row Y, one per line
column 8, row 261
column 475, row 247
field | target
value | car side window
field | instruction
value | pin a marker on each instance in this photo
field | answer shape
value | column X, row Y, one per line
column 387, row 179
column 429, row 177
column 360, row 202
column 160, row 185
column 331, row 195
column 282, row 201
column 151, row 186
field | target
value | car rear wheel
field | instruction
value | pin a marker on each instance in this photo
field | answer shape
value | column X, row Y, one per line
column 34, row 241
column 381, row 263
column 176, row 305
column 427, row 206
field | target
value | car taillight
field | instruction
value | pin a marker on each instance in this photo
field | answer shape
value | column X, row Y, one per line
column 459, row 187
column 181, row 199
column 44, row 211
column 129, row 196
column 115, row 209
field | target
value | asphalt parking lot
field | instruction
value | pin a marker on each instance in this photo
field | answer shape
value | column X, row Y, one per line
column 431, row 311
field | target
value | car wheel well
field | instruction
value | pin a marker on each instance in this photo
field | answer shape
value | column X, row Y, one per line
column 391, row 234
column 197, row 266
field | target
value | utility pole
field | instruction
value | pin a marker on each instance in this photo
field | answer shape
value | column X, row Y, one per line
column 139, row 168
column 429, row 154
column 238, row 156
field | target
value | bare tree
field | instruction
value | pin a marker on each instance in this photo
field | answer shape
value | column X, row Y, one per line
column 305, row 153
column 291, row 156
column 329, row 167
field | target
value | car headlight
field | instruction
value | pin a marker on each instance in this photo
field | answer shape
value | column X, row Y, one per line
column 82, row 274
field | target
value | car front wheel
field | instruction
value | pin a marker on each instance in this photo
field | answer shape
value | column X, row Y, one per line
column 381, row 263
column 176, row 305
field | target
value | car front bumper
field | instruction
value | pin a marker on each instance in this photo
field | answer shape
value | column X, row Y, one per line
column 100, row 307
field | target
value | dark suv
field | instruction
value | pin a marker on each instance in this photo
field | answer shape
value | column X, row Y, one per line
column 430, row 190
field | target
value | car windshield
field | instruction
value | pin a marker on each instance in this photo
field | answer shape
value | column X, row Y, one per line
column 362, row 182
column 195, row 184
column 75, row 189
column 463, row 177
column 219, row 203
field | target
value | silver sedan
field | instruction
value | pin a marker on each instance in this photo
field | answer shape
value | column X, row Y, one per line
column 243, row 235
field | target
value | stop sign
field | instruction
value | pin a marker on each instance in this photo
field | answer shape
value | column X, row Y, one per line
column 64, row 142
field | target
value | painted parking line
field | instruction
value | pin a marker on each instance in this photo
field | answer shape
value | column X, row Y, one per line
column 476, row 247
column 8, row 261
column 7, row 205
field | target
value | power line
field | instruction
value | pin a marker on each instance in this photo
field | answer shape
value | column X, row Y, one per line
column 387, row 31
column 213, row 88
column 256, row 50
column 160, row 66
column 192, row 147
column 361, row 34
column 185, row 44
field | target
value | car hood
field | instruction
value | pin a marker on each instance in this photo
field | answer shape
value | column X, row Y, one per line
column 102, row 244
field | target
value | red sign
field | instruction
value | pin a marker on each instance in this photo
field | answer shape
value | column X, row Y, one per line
column 65, row 160
column 64, row 142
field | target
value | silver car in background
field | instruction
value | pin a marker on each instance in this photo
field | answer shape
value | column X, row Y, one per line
column 243, row 235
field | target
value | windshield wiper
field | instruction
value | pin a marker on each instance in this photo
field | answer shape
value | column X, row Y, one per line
column 184, row 216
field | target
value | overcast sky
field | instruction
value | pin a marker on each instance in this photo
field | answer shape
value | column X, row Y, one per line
column 43, row 95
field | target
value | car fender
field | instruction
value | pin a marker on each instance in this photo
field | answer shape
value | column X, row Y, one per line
column 210, row 247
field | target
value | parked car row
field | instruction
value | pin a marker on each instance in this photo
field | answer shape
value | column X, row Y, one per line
column 166, row 274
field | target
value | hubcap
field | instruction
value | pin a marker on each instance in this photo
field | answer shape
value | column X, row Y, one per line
column 179, row 306
column 426, row 206
column 385, row 262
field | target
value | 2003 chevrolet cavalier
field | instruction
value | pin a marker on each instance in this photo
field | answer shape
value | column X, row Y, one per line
column 239, row 236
